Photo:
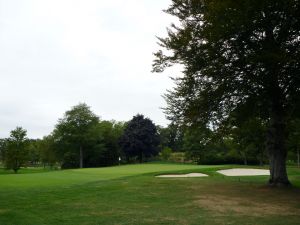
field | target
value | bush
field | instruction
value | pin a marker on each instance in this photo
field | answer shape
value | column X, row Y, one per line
column 177, row 157
column 166, row 153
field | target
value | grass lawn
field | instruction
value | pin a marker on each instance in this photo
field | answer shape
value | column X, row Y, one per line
column 132, row 194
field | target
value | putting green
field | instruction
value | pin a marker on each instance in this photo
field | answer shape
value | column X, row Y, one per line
column 80, row 176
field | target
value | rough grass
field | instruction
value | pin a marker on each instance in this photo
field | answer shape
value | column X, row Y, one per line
column 132, row 195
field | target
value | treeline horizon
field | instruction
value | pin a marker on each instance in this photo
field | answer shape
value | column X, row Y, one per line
column 80, row 139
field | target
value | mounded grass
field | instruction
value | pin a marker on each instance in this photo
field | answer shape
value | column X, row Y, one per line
column 132, row 194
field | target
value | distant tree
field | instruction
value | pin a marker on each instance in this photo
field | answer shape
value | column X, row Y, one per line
column 166, row 153
column 171, row 136
column 16, row 154
column 74, row 134
column 140, row 138
column 197, row 143
column 235, row 53
column 106, row 151
column 3, row 143
column 250, row 139
column 33, row 151
column 294, row 138
column 205, row 146
column 47, row 151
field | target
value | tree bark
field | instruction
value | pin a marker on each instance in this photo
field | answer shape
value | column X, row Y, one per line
column 80, row 157
column 276, row 147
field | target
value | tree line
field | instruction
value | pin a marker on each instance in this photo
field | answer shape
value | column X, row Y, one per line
column 80, row 139
column 239, row 144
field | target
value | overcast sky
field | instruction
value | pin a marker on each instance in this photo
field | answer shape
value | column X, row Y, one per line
column 57, row 53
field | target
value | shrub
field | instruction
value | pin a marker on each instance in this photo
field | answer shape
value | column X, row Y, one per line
column 166, row 153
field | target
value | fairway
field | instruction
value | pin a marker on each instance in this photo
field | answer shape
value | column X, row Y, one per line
column 132, row 194
column 66, row 178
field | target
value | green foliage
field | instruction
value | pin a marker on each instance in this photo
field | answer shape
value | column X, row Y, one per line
column 178, row 157
column 17, row 152
column 34, row 152
column 3, row 143
column 166, row 153
column 231, row 144
column 239, row 57
column 170, row 136
column 47, row 152
column 75, row 134
column 294, row 140
column 249, row 138
column 80, row 139
column 234, row 53
column 140, row 138
column 196, row 142
column 106, row 151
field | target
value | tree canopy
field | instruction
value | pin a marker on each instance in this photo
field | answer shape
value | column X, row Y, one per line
column 81, row 139
column 16, row 153
column 140, row 138
column 75, row 133
column 239, row 57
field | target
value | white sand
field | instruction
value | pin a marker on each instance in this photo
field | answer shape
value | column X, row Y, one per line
column 244, row 172
column 183, row 175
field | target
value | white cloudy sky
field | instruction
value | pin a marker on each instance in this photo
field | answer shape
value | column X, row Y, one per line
column 57, row 53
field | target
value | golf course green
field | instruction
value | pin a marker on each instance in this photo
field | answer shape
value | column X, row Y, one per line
column 131, row 194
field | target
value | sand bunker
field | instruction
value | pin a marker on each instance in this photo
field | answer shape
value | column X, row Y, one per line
column 244, row 172
column 183, row 175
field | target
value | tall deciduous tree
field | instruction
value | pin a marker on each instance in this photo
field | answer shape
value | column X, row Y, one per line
column 140, row 138
column 16, row 154
column 236, row 53
column 75, row 133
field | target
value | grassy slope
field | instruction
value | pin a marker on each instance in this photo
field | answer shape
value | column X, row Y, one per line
column 132, row 195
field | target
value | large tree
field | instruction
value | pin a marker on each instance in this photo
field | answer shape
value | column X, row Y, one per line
column 236, row 54
column 75, row 133
column 16, row 153
column 106, row 151
column 140, row 138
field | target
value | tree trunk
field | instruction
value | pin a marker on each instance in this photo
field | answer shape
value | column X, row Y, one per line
column 276, row 147
column 80, row 157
